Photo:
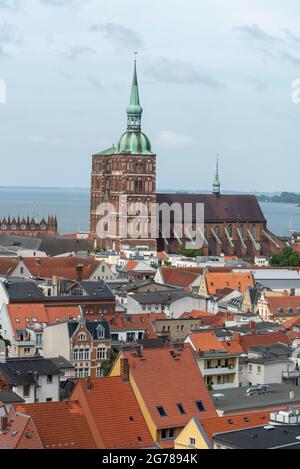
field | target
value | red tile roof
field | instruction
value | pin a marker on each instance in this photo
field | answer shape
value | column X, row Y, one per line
column 8, row 265
column 196, row 314
column 21, row 433
column 26, row 315
column 180, row 276
column 64, row 267
column 290, row 323
column 61, row 425
column 162, row 256
column 206, row 342
column 234, row 422
column 133, row 322
column 242, row 343
column 234, row 281
column 115, row 412
column 276, row 303
column 165, row 379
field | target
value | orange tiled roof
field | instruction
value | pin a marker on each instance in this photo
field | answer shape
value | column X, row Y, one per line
column 234, row 281
column 206, row 341
column 180, row 276
column 234, row 422
column 195, row 314
column 284, row 302
column 23, row 315
column 61, row 425
column 115, row 412
column 165, row 380
column 64, row 267
column 291, row 322
column 162, row 256
column 123, row 322
column 19, row 426
column 8, row 265
column 242, row 343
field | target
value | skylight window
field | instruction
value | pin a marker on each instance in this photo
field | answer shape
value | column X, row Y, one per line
column 181, row 409
column 161, row 411
column 200, row 406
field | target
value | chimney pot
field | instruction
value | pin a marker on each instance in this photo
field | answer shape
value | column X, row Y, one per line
column 3, row 424
column 124, row 369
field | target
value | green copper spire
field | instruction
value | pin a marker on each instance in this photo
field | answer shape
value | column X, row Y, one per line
column 217, row 184
column 134, row 110
column 134, row 141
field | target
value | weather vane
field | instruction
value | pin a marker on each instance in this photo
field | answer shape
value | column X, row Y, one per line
column 135, row 55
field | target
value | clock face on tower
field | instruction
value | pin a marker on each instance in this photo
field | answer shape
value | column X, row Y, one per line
column 3, row 227
column 23, row 227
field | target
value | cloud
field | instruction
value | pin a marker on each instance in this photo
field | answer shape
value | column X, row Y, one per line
column 95, row 82
column 119, row 35
column 292, row 59
column 10, row 34
column 58, row 3
column 75, row 52
column 275, row 47
column 258, row 84
column 178, row 71
column 37, row 140
column 10, row 4
column 255, row 33
column 169, row 139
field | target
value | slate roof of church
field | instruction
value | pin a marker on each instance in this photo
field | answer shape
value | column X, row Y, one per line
column 228, row 208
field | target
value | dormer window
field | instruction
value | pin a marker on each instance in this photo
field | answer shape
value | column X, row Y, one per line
column 100, row 332
column 81, row 337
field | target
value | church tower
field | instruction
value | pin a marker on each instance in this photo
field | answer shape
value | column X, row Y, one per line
column 127, row 169
column 217, row 184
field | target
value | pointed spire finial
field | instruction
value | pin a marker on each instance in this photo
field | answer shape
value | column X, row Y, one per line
column 134, row 110
column 217, row 184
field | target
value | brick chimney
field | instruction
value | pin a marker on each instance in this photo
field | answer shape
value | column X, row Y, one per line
column 88, row 385
column 79, row 272
column 124, row 368
column 3, row 424
column 252, row 327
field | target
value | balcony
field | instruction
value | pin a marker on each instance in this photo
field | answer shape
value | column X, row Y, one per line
column 24, row 343
column 219, row 371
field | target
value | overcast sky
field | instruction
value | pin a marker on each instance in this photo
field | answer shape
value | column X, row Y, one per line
column 215, row 77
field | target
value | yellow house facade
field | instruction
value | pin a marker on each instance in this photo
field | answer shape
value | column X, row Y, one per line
column 192, row 437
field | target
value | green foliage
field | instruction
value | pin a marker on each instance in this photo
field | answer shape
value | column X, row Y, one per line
column 7, row 342
column 286, row 258
column 284, row 197
column 191, row 252
column 109, row 362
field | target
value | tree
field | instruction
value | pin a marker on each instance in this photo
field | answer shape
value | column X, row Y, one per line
column 109, row 362
column 287, row 257
column 191, row 252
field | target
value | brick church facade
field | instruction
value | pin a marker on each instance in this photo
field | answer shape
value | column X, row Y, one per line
column 233, row 224
column 29, row 227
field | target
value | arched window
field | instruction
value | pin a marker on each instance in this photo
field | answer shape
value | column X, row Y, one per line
column 82, row 337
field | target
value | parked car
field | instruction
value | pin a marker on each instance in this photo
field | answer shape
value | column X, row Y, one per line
column 260, row 389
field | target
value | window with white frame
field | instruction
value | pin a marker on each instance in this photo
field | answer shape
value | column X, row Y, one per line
column 101, row 353
column 82, row 337
column 100, row 332
column 86, row 353
column 75, row 354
